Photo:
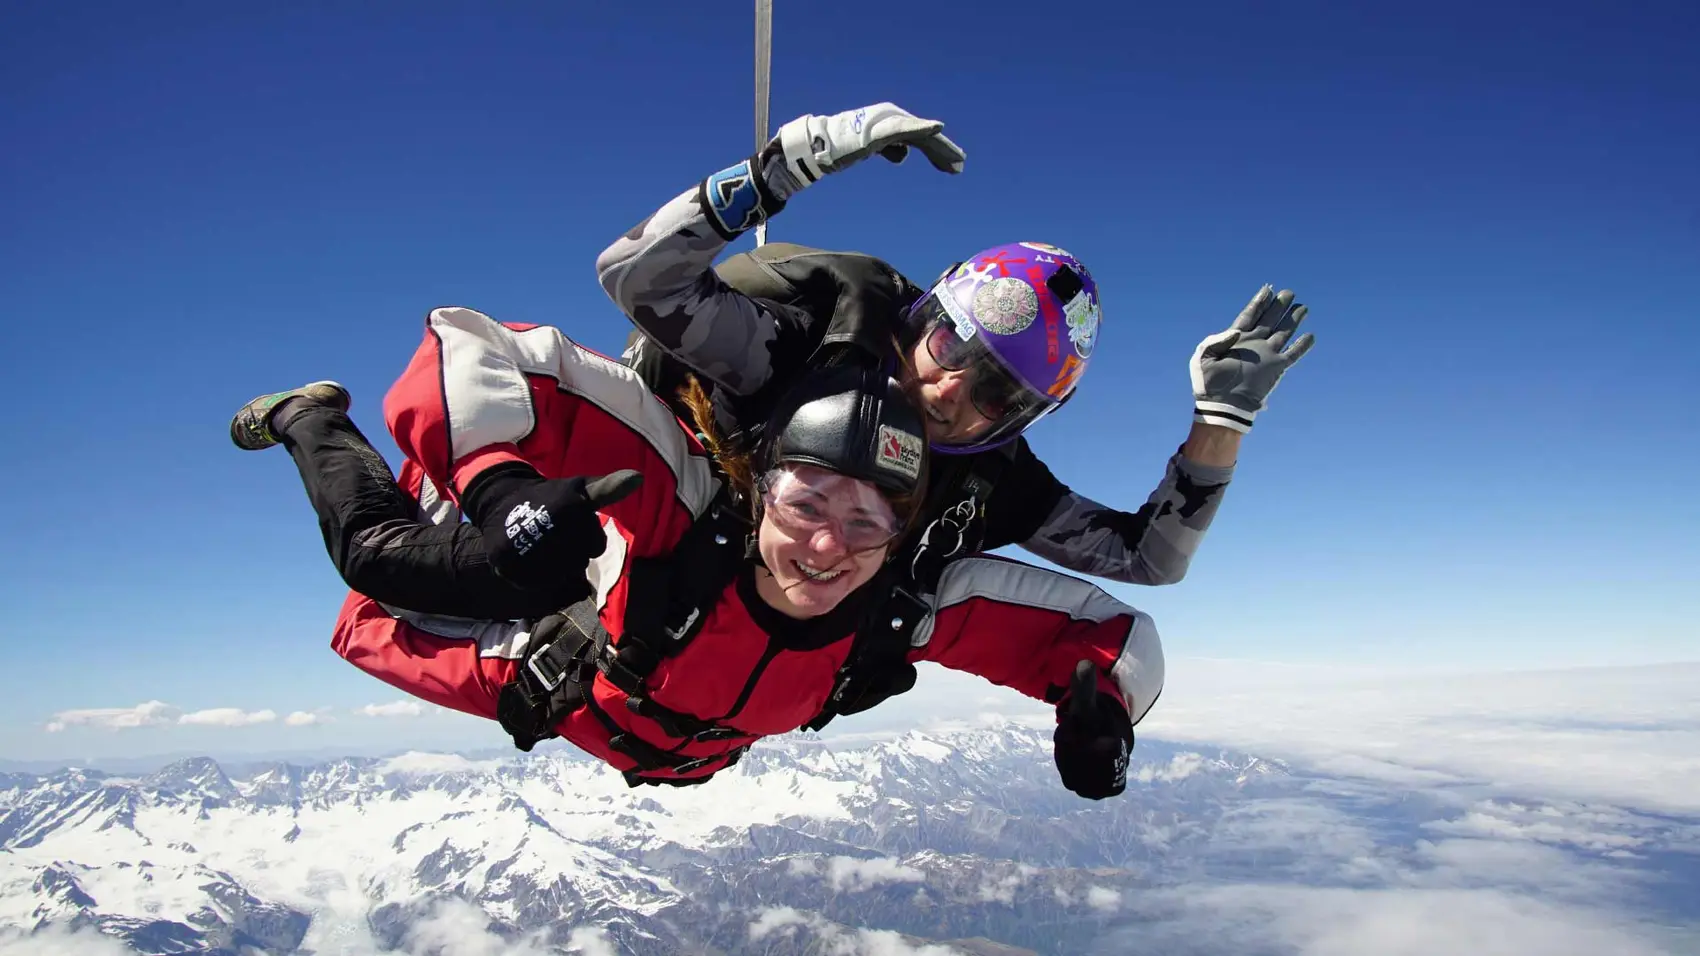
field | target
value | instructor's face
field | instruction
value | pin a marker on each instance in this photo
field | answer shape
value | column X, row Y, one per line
column 942, row 395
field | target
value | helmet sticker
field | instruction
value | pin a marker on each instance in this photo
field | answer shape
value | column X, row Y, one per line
column 1005, row 306
column 959, row 319
column 1047, row 247
column 1082, row 314
column 1066, row 377
column 898, row 451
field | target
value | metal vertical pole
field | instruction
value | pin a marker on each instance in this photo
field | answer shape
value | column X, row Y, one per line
column 764, row 57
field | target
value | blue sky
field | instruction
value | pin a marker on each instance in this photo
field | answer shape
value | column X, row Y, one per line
column 1485, row 463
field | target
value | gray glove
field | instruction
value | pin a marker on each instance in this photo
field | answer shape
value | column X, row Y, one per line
column 817, row 145
column 1234, row 371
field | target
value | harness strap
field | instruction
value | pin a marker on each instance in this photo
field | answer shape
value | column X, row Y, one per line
column 550, row 681
column 667, row 599
column 878, row 666
column 648, row 756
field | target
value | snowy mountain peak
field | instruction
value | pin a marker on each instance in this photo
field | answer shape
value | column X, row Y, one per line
column 194, row 777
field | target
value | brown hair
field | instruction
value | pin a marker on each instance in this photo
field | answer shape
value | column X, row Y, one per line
column 734, row 463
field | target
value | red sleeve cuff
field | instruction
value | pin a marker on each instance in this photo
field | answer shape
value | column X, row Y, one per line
column 476, row 463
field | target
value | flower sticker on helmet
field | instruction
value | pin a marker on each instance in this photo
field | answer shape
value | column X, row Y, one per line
column 1005, row 306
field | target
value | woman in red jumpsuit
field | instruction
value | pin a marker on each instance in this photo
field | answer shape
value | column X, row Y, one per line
column 536, row 438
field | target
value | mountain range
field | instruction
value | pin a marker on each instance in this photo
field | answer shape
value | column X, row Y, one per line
column 945, row 842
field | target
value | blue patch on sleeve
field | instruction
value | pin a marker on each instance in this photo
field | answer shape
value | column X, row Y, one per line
column 733, row 198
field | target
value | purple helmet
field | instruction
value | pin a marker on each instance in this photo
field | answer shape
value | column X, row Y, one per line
column 1025, row 317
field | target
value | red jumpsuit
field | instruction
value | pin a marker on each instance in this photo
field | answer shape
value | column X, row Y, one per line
column 479, row 392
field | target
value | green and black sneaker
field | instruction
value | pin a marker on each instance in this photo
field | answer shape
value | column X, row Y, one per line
column 251, row 428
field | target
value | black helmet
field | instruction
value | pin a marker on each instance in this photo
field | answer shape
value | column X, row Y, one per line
column 853, row 420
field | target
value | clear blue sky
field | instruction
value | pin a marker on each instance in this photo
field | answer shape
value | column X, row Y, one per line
column 1488, row 460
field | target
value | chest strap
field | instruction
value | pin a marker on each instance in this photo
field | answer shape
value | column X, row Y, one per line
column 668, row 598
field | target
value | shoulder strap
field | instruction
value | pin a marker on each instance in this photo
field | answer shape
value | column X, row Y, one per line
column 668, row 596
column 860, row 298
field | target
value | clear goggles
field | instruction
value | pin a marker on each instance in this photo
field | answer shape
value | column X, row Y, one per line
column 805, row 500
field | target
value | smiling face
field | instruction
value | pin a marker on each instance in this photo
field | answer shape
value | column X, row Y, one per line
column 822, row 536
column 943, row 397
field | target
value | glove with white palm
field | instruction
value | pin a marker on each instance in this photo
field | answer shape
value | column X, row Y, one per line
column 815, row 146
column 1233, row 371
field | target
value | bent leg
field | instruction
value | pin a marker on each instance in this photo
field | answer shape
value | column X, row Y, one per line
column 378, row 542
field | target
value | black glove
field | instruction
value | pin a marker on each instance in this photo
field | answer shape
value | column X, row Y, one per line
column 1093, row 738
column 541, row 534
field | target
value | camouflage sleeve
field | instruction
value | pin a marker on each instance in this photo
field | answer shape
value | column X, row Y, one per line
column 661, row 274
column 1153, row 545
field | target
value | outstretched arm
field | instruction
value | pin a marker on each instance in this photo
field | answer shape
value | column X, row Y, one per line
column 1027, row 628
column 1063, row 641
column 661, row 275
column 1232, row 372
column 1153, row 545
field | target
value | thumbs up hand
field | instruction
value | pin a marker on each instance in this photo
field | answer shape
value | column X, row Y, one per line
column 1093, row 739
column 543, row 533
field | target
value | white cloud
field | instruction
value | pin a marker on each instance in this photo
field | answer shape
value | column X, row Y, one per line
column 417, row 763
column 999, row 890
column 1621, row 736
column 847, row 872
column 1103, row 898
column 591, row 941
column 399, row 708
column 1624, row 736
column 838, row 940
column 1590, row 828
column 455, row 927
column 883, row 942
column 775, row 918
column 1179, row 767
column 228, row 717
column 1414, row 873
column 151, row 714
column 157, row 713
column 1312, row 921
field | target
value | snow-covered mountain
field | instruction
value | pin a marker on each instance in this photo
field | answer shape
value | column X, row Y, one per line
column 962, row 841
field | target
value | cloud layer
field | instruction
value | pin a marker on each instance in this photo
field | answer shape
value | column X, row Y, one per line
column 156, row 713
column 1625, row 736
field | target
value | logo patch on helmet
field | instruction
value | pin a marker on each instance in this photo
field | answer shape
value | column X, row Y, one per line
column 898, row 451
column 1005, row 306
column 1082, row 314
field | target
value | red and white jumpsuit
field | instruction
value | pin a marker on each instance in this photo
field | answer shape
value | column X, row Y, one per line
column 479, row 392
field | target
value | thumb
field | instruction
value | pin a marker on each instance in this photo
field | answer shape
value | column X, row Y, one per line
column 1083, row 691
column 896, row 152
column 612, row 487
column 945, row 155
column 1218, row 345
